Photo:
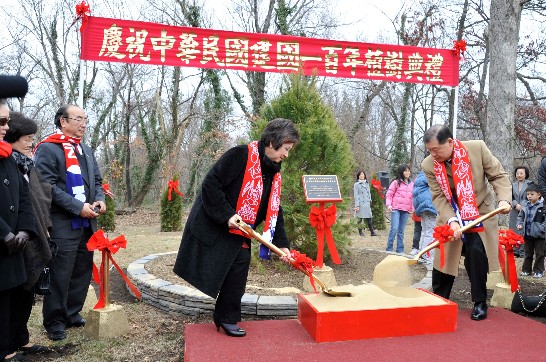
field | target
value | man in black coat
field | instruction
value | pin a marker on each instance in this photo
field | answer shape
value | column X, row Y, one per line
column 16, row 225
column 72, row 170
column 212, row 257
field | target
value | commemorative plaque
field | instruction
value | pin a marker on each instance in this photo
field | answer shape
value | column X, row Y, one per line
column 321, row 188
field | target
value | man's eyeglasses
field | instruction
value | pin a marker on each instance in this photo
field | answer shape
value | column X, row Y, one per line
column 77, row 119
column 4, row 121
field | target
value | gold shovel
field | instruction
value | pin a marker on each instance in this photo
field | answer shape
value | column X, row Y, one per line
column 467, row 227
column 328, row 291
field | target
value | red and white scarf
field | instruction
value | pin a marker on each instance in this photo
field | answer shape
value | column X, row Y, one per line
column 250, row 197
column 74, row 180
column 466, row 207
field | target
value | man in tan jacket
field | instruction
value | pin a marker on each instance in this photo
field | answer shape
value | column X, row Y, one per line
column 460, row 175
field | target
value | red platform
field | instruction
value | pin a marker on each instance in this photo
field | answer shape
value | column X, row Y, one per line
column 503, row 336
column 347, row 325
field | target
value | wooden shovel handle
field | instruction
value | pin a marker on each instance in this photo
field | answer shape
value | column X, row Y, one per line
column 463, row 229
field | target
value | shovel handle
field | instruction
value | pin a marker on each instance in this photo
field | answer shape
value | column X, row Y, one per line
column 463, row 229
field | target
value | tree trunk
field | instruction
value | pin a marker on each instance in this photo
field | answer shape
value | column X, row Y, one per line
column 503, row 42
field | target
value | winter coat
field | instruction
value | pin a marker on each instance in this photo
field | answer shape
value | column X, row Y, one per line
column 363, row 199
column 518, row 197
column 207, row 249
column 15, row 215
column 422, row 198
column 538, row 225
column 399, row 196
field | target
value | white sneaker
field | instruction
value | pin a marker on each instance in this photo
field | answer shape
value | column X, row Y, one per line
column 413, row 251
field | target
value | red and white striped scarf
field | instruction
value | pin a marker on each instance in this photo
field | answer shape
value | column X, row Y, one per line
column 466, row 207
column 250, row 197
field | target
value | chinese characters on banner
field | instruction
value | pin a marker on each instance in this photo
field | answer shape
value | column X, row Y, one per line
column 115, row 40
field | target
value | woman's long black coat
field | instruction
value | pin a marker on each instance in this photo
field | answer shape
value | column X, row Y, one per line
column 207, row 249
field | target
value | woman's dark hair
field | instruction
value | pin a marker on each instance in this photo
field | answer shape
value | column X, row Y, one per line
column 279, row 131
column 400, row 172
column 358, row 174
column 525, row 168
column 19, row 126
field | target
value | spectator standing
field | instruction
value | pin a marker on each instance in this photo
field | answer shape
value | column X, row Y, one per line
column 424, row 208
column 17, row 225
column 37, row 253
column 532, row 221
column 71, row 168
column 399, row 204
column 417, row 230
column 363, row 202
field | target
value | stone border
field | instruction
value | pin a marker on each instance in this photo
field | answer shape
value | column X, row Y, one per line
column 180, row 300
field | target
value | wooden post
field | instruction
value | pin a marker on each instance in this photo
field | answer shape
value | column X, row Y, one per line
column 106, row 277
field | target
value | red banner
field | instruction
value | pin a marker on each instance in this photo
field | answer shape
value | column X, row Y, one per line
column 116, row 40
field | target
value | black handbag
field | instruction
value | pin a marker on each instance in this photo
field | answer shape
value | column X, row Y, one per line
column 42, row 285
column 529, row 304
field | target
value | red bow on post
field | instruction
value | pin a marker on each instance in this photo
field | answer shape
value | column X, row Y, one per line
column 322, row 220
column 442, row 233
column 507, row 261
column 304, row 263
column 98, row 241
column 460, row 48
column 377, row 185
column 106, row 190
column 173, row 186
column 83, row 10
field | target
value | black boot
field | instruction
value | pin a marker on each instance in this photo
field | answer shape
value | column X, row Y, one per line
column 360, row 232
column 442, row 283
column 370, row 225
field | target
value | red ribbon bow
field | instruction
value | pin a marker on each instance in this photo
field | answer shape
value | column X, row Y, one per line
column 107, row 191
column 98, row 241
column 322, row 220
column 304, row 263
column 83, row 10
column 459, row 47
column 377, row 185
column 173, row 186
column 509, row 239
column 442, row 233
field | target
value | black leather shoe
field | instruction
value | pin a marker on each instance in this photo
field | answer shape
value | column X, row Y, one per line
column 56, row 335
column 77, row 324
column 16, row 357
column 232, row 330
column 479, row 312
column 34, row 349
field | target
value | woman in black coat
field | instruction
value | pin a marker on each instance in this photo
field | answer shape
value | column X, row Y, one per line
column 214, row 256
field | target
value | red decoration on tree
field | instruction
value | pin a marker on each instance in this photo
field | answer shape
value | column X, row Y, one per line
column 98, row 241
column 444, row 234
column 83, row 10
column 106, row 190
column 322, row 220
column 459, row 47
column 509, row 240
column 377, row 185
column 173, row 186
column 304, row 263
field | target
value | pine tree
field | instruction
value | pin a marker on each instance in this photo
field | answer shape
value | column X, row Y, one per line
column 171, row 211
column 107, row 221
column 323, row 150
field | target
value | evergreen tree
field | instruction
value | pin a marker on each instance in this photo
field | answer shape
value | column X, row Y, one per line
column 323, row 150
column 107, row 221
column 171, row 211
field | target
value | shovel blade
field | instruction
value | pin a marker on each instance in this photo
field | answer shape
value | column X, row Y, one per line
column 333, row 293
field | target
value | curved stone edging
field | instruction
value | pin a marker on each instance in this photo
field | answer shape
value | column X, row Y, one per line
column 181, row 300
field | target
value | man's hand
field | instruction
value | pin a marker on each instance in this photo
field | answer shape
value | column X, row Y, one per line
column 519, row 227
column 88, row 212
column 286, row 259
column 101, row 205
column 232, row 222
column 21, row 239
column 11, row 243
column 506, row 205
column 455, row 226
